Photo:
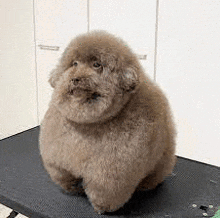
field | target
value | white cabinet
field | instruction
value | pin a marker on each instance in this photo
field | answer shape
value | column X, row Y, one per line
column 188, row 70
column 18, row 99
column 57, row 22
column 133, row 21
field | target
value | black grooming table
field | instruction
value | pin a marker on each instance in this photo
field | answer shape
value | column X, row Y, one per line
column 192, row 191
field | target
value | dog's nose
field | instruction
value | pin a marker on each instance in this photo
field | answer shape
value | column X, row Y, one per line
column 76, row 80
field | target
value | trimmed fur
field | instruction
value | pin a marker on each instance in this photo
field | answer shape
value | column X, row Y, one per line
column 107, row 125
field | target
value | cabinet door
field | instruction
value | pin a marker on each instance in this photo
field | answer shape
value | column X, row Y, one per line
column 18, row 99
column 57, row 22
column 188, row 70
column 133, row 21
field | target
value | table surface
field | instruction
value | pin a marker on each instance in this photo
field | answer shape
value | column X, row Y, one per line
column 192, row 191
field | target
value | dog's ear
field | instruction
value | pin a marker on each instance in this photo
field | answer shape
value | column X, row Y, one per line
column 54, row 76
column 129, row 79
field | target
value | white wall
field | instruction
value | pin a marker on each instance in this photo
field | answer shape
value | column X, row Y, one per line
column 18, row 96
column 188, row 66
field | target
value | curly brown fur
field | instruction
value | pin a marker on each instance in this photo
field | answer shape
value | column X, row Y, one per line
column 107, row 124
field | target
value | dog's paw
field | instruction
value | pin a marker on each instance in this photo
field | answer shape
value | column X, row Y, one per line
column 99, row 210
column 102, row 209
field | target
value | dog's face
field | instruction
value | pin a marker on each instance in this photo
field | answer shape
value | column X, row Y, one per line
column 95, row 78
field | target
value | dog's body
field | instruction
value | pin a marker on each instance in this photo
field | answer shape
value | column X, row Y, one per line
column 107, row 124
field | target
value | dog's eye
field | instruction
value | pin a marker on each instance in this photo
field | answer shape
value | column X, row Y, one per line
column 96, row 65
column 75, row 63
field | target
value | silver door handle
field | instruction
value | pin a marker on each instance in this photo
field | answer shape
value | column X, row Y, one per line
column 142, row 57
column 48, row 47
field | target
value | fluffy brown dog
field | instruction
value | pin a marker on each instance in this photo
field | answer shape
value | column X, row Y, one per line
column 107, row 124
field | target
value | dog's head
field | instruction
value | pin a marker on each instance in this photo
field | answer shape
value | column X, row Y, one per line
column 95, row 78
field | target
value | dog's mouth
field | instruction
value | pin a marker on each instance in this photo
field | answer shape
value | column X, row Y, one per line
column 93, row 98
column 86, row 94
column 77, row 92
